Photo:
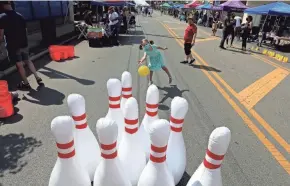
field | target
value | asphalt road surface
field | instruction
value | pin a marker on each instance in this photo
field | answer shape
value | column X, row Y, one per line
column 246, row 92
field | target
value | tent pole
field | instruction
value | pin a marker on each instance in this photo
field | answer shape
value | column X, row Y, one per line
column 265, row 22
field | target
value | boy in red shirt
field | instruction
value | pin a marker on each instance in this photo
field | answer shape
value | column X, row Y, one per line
column 189, row 40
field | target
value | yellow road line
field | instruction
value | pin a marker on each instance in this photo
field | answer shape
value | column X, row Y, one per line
column 269, row 62
column 271, row 148
column 251, row 95
column 259, row 119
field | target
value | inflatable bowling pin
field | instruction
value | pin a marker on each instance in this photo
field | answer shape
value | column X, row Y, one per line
column 109, row 172
column 209, row 172
column 176, row 151
column 115, row 113
column 151, row 115
column 67, row 170
column 131, row 153
column 156, row 172
column 126, row 88
column 87, row 147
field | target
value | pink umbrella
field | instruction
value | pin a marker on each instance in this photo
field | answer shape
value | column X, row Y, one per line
column 193, row 4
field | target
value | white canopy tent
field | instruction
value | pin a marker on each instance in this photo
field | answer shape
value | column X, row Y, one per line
column 141, row 3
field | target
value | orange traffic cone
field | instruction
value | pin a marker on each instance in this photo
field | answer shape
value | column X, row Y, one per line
column 6, row 105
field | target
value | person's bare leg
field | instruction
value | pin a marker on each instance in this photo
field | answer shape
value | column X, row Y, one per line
column 150, row 77
column 168, row 73
column 32, row 69
column 22, row 71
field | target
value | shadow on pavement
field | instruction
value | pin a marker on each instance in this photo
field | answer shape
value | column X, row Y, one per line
column 184, row 180
column 167, row 36
column 39, row 63
column 207, row 68
column 16, row 117
column 13, row 147
column 237, row 50
column 54, row 74
column 44, row 96
column 169, row 92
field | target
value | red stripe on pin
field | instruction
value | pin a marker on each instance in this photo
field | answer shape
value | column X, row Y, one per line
column 131, row 131
column 114, row 106
column 65, row 145
column 157, row 159
column 127, row 89
column 214, row 156
column 82, row 126
column 114, row 98
column 79, row 118
column 127, row 96
column 67, row 155
column 109, row 147
column 110, row 156
column 152, row 114
column 176, row 121
column 131, row 122
column 151, row 106
column 158, row 149
column 175, row 129
column 210, row 165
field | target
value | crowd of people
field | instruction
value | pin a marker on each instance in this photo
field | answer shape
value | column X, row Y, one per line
column 233, row 28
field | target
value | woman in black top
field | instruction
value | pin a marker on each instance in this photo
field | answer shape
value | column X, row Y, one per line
column 246, row 31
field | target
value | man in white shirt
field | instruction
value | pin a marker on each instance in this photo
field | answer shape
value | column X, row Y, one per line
column 238, row 27
column 113, row 23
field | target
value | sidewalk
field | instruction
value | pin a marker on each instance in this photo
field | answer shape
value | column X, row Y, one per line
column 36, row 48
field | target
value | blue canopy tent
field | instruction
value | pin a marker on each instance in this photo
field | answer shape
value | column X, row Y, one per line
column 277, row 8
column 208, row 6
column 177, row 6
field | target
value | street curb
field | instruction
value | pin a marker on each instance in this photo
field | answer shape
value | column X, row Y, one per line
column 32, row 58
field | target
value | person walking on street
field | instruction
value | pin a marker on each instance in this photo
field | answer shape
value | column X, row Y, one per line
column 215, row 23
column 231, row 30
column 226, row 30
column 189, row 40
column 246, row 32
column 113, row 23
column 238, row 28
column 13, row 27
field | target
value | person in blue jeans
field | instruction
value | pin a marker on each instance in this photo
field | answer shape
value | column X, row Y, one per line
column 156, row 62
column 13, row 30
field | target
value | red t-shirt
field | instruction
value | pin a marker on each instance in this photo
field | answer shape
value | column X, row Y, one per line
column 189, row 32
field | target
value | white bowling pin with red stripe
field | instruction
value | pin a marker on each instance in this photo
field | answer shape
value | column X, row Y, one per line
column 87, row 147
column 67, row 170
column 209, row 172
column 131, row 153
column 156, row 172
column 126, row 88
column 109, row 172
column 176, row 151
column 151, row 115
column 115, row 113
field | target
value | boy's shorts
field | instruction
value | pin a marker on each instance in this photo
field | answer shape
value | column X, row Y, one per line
column 18, row 55
column 187, row 48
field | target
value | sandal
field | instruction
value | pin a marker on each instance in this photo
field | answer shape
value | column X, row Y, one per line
column 22, row 85
column 39, row 81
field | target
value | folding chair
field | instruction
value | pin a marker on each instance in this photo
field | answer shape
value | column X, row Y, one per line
column 82, row 27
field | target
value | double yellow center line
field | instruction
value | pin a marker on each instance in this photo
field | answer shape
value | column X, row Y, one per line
column 266, row 142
